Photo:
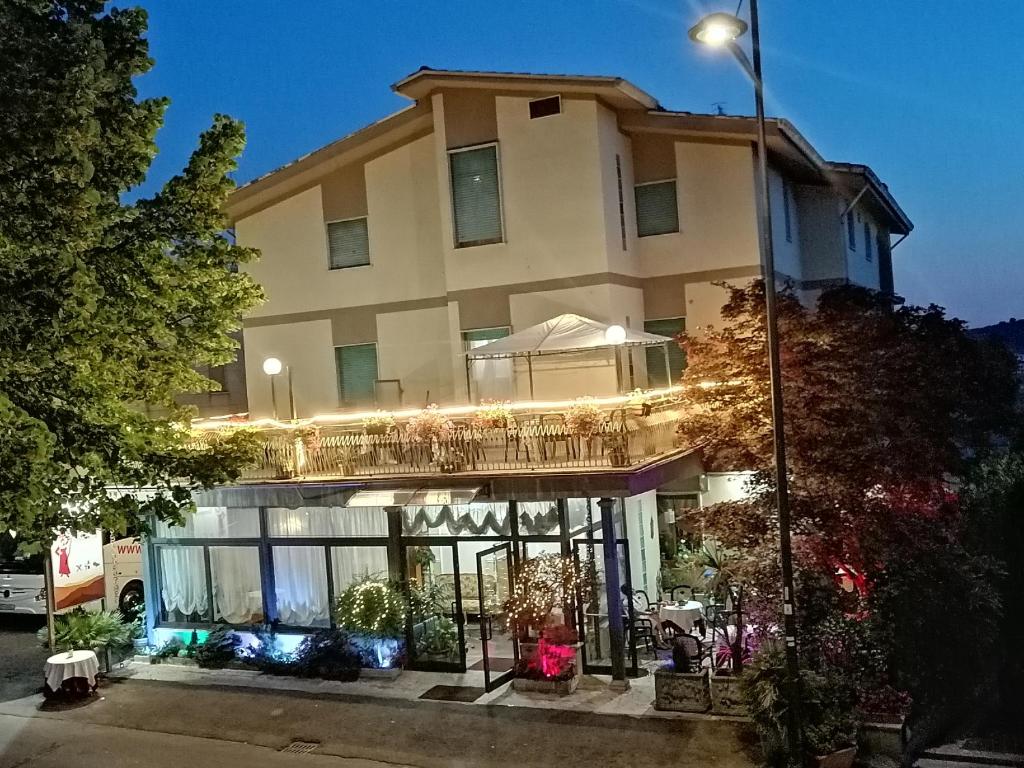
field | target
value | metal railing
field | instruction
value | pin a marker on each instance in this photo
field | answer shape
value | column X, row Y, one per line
column 537, row 441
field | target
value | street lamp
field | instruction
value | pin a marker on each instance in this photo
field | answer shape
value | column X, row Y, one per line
column 272, row 367
column 722, row 30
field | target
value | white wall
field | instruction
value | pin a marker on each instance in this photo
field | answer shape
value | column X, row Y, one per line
column 414, row 346
column 860, row 270
column 725, row 486
column 611, row 143
column 644, row 549
column 308, row 349
column 787, row 252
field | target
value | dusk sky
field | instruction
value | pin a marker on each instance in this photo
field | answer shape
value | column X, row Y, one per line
column 929, row 94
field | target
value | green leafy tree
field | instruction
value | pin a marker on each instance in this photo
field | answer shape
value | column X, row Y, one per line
column 108, row 306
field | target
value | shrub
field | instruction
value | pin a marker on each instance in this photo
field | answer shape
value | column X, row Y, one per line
column 560, row 634
column 372, row 608
column 85, row 630
column 441, row 639
column 266, row 654
column 220, row 648
column 329, row 655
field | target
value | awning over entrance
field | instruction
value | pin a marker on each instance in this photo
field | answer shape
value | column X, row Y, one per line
column 565, row 333
column 421, row 497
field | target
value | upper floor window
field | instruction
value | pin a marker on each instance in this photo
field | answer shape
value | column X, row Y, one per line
column 348, row 243
column 550, row 105
column 785, row 211
column 357, row 374
column 867, row 242
column 476, row 196
column 657, row 212
column 665, row 370
column 851, row 232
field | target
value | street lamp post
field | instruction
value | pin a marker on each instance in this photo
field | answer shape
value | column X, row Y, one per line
column 723, row 29
column 272, row 367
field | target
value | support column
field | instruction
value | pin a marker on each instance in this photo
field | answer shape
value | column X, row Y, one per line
column 394, row 550
column 613, row 593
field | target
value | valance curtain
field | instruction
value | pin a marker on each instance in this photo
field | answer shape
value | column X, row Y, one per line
column 183, row 591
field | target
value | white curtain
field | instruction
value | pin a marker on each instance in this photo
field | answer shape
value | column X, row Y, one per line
column 237, row 592
column 352, row 564
column 492, row 379
column 184, row 581
column 327, row 521
column 300, row 582
column 214, row 523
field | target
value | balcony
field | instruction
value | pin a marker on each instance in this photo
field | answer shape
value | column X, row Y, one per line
column 613, row 434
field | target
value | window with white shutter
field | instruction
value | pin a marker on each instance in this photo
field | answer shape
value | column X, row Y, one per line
column 476, row 196
column 348, row 243
column 657, row 212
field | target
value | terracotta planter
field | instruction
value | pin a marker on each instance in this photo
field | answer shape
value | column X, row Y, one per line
column 841, row 759
column 725, row 695
column 681, row 691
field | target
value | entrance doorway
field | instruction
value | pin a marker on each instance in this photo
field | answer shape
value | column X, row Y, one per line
column 498, row 645
column 435, row 625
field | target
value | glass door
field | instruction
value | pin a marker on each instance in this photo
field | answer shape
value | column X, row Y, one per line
column 497, row 642
column 435, row 632
column 593, row 613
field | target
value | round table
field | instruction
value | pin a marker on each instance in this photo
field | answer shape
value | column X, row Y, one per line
column 683, row 615
column 71, row 675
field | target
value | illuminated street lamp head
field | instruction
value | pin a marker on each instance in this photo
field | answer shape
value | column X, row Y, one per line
column 717, row 29
column 271, row 366
column 615, row 334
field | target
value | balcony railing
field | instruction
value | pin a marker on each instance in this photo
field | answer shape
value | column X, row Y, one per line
column 529, row 438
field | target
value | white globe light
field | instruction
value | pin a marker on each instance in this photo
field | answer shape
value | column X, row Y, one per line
column 271, row 366
column 615, row 334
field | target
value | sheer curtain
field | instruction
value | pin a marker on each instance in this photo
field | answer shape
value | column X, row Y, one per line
column 300, row 582
column 214, row 523
column 492, row 379
column 352, row 564
column 183, row 590
column 237, row 591
column 327, row 521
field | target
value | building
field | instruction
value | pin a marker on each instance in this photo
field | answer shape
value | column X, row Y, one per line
column 570, row 223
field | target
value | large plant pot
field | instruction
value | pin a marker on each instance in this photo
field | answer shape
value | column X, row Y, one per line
column 842, row 759
column 681, row 691
column 725, row 695
column 559, row 687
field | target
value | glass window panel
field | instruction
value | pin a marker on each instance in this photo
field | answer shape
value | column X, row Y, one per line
column 214, row 523
column 655, row 356
column 476, row 200
column 237, row 589
column 538, row 518
column 183, row 595
column 483, row 519
column 353, row 564
column 657, row 212
column 300, row 583
column 327, row 521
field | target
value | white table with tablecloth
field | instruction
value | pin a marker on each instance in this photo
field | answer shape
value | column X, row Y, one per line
column 71, row 673
column 683, row 615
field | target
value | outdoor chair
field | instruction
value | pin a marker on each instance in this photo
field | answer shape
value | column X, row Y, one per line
column 515, row 430
column 642, row 630
column 679, row 591
column 691, row 647
column 553, row 432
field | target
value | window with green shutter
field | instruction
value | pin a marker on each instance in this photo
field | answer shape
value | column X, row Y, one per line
column 657, row 212
column 348, row 243
column 357, row 374
column 476, row 196
column 656, row 374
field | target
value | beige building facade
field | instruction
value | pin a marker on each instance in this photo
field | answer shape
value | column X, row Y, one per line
column 495, row 202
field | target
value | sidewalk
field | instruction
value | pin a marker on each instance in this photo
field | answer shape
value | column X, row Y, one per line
column 382, row 721
column 594, row 694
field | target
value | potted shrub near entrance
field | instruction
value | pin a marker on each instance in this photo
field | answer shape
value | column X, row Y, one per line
column 678, row 687
column 549, row 648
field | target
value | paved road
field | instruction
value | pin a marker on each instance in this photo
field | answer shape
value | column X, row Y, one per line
column 138, row 723
column 41, row 743
column 21, row 657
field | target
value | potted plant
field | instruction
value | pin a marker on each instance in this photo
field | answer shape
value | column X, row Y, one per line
column 492, row 414
column 373, row 613
column 311, row 439
column 678, row 687
column 549, row 651
column 826, row 708
column 584, row 419
column 379, row 423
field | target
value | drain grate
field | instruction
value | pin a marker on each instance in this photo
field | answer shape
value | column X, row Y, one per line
column 301, row 747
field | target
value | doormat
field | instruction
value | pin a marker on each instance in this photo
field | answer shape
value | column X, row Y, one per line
column 498, row 665
column 463, row 693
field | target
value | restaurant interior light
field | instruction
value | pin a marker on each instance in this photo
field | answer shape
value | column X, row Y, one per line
column 717, row 29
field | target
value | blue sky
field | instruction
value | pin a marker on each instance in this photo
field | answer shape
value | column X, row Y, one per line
column 929, row 94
